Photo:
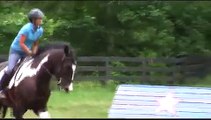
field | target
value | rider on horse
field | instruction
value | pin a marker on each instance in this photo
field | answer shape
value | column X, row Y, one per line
column 24, row 44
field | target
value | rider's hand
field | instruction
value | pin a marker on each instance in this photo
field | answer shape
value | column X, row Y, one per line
column 30, row 53
column 34, row 53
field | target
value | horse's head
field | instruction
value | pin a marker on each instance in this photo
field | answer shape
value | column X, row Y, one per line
column 66, row 70
column 63, row 63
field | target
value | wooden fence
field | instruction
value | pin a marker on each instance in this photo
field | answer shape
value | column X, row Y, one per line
column 139, row 69
column 127, row 68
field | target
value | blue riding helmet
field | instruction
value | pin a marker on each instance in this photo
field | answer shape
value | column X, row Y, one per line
column 34, row 14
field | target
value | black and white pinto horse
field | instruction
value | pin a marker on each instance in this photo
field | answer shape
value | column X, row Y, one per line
column 29, row 87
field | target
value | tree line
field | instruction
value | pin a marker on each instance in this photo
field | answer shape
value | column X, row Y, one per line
column 116, row 28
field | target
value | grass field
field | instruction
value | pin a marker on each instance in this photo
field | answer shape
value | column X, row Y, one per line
column 88, row 100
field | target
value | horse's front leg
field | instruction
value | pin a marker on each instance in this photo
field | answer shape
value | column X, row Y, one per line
column 18, row 112
column 42, row 113
column 41, row 106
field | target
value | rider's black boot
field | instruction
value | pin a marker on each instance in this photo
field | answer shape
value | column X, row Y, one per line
column 3, row 83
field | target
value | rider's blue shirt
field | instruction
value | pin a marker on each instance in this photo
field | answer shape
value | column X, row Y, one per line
column 31, row 36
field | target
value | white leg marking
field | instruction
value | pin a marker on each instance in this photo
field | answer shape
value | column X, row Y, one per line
column 44, row 114
column 73, row 67
column 70, row 88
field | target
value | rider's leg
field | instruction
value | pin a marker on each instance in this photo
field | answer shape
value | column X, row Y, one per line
column 13, row 59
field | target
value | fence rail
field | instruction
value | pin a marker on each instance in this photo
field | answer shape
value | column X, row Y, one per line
column 127, row 68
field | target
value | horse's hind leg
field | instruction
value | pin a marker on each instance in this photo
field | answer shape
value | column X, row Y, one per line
column 4, row 111
column 1, row 111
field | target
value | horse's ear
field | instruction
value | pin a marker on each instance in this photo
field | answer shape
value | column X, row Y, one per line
column 66, row 50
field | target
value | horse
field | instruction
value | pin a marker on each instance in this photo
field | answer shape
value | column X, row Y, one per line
column 29, row 87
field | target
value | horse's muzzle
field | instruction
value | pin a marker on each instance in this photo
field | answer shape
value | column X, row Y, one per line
column 66, row 90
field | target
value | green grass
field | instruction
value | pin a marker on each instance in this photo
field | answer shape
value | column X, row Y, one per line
column 199, row 82
column 87, row 100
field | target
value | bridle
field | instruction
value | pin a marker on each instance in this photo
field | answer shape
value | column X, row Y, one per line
column 58, row 76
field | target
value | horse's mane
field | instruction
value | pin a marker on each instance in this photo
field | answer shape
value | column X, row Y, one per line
column 52, row 45
column 55, row 45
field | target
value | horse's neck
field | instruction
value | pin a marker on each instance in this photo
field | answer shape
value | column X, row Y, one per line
column 43, row 81
column 47, row 71
column 50, row 66
column 54, row 62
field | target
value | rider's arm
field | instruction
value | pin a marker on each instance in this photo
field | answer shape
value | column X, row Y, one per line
column 23, row 46
column 35, row 47
column 36, row 43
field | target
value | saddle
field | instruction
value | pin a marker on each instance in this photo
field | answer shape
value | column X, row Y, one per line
column 21, row 61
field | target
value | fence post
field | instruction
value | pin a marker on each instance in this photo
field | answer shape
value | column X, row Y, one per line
column 144, row 71
column 173, row 76
column 107, row 72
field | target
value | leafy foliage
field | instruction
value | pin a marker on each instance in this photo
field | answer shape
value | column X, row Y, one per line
column 116, row 28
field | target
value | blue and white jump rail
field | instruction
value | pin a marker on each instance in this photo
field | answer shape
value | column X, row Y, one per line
column 152, row 101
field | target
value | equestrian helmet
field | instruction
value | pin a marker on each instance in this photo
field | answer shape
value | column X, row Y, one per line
column 35, row 13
